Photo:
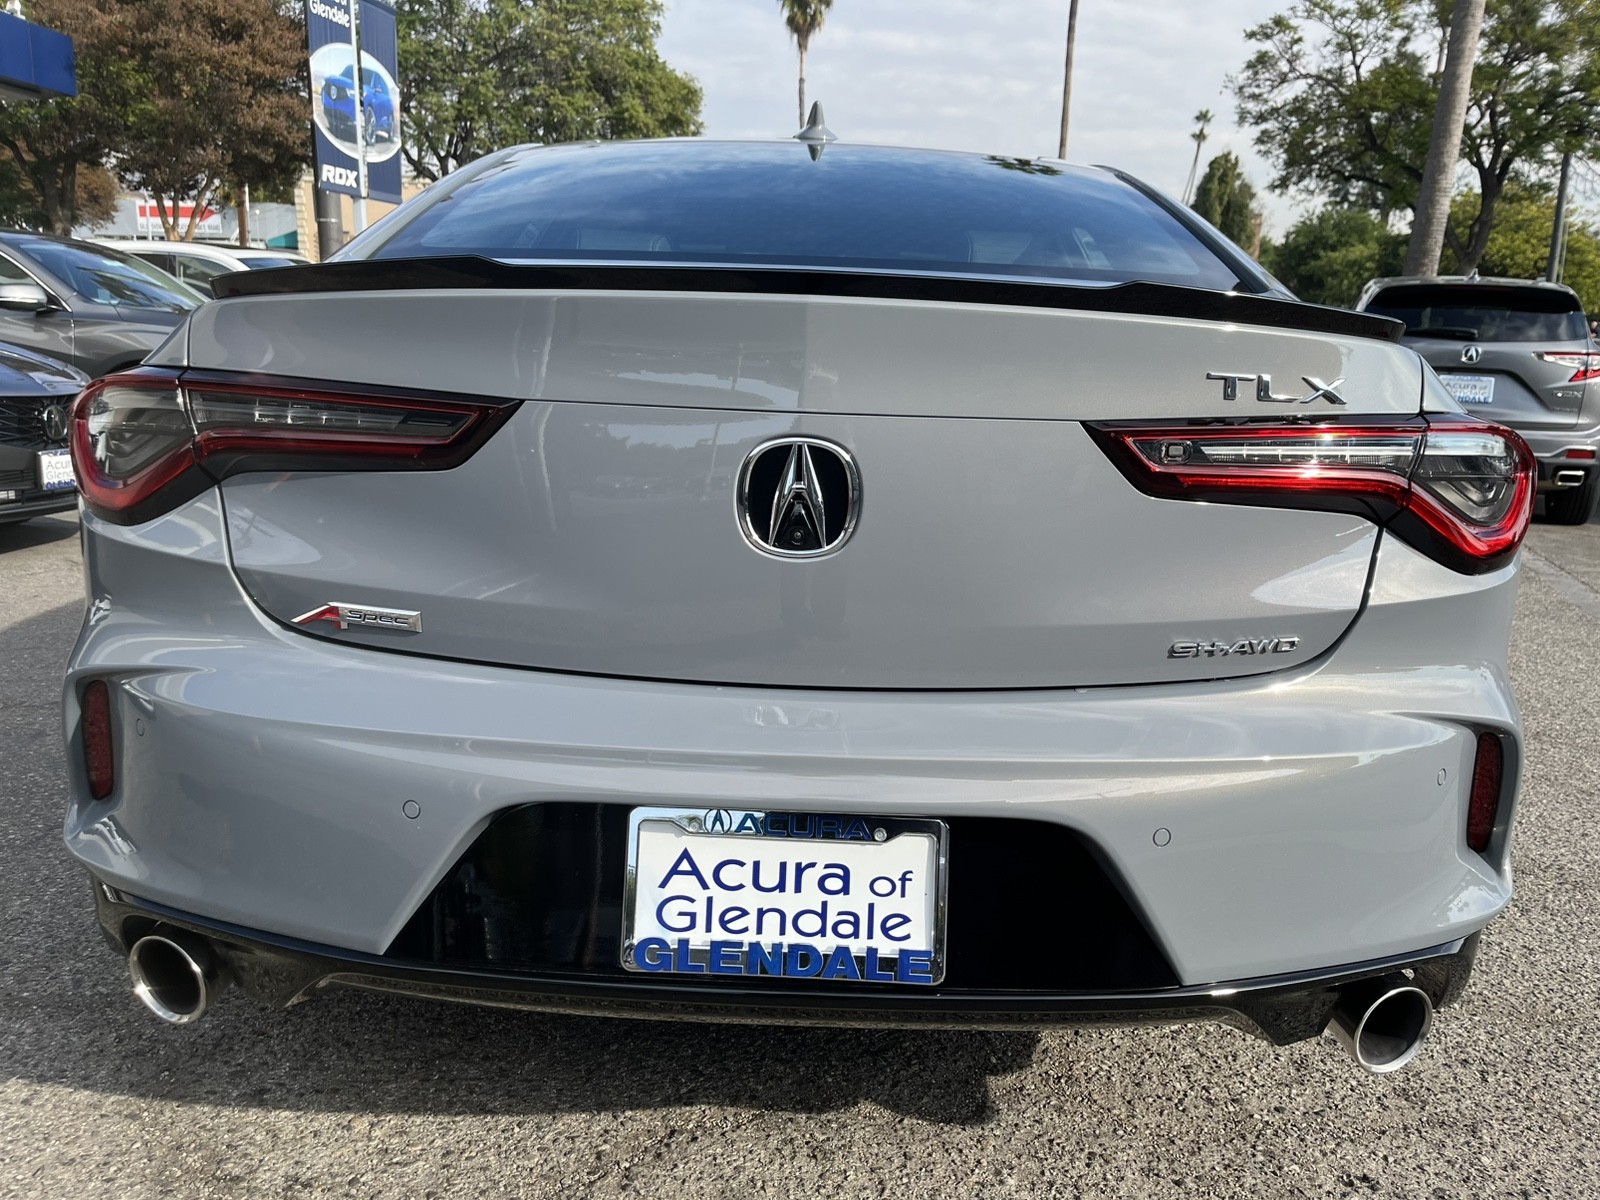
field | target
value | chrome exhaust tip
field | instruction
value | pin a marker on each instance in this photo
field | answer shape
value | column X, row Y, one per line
column 1568, row 479
column 1382, row 1022
column 174, row 975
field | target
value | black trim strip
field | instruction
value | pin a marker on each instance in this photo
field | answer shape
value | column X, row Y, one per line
column 472, row 271
column 279, row 971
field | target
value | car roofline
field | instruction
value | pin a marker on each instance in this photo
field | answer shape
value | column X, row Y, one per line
column 1373, row 286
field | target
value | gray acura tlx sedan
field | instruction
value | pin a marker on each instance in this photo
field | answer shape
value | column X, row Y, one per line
column 797, row 582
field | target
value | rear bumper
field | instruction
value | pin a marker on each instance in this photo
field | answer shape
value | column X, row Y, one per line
column 38, row 505
column 280, row 971
column 19, row 478
column 1552, row 449
column 1257, row 827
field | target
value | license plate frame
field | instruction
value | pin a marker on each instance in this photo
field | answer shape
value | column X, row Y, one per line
column 1469, row 389
column 52, row 478
column 768, row 835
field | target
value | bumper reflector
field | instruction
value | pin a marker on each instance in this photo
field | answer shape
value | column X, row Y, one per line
column 99, row 765
column 1487, row 773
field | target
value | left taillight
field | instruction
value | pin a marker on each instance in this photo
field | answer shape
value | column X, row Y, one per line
column 1459, row 490
column 144, row 442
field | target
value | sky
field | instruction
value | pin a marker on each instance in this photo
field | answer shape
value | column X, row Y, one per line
column 986, row 75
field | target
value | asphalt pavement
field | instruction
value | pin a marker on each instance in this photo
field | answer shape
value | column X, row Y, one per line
column 366, row 1096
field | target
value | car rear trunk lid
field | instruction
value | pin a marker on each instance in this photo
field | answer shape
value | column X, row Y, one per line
column 995, row 546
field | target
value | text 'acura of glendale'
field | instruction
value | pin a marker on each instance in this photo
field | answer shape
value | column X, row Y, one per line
column 770, row 582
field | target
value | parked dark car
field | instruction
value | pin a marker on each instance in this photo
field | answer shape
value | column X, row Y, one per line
column 98, row 309
column 36, row 397
column 339, row 106
column 1518, row 351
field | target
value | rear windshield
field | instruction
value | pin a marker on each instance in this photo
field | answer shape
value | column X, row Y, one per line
column 851, row 208
column 1484, row 313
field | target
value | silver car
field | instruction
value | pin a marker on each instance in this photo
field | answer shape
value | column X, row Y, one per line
column 1517, row 351
column 96, row 308
column 771, row 582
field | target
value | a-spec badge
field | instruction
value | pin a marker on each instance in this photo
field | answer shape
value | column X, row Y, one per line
column 364, row 616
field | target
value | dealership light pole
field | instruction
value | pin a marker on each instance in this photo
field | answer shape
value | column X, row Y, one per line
column 358, row 206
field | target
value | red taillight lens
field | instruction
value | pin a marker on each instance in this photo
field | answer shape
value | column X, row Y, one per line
column 99, row 764
column 1460, row 490
column 146, row 441
column 1487, row 777
column 131, row 439
column 1585, row 364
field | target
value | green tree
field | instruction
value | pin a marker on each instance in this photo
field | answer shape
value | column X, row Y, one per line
column 50, row 143
column 1341, row 94
column 1226, row 199
column 804, row 19
column 476, row 75
column 1327, row 257
column 229, row 104
column 1520, row 244
column 21, row 208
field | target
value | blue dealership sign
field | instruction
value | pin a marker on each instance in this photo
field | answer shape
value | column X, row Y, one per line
column 35, row 63
column 355, row 112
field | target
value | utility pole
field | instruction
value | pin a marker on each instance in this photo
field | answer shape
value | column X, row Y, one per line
column 358, row 206
column 1558, row 231
column 1444, row 149
column 1066, row 82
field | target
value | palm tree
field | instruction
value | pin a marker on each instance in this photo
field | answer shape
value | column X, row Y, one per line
column 1444, row 149
column 1198, row 137
column 804, row 19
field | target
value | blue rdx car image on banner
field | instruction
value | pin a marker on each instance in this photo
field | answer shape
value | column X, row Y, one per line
column 334, row 101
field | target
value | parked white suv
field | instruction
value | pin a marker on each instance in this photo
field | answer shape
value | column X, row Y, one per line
column 197, row 263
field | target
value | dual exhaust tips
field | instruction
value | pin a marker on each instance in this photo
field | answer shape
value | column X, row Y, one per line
column 1380, row 1022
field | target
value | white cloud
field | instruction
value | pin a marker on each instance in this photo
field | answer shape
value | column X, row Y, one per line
column 985, row 75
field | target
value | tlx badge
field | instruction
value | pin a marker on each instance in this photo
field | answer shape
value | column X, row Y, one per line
column 1265, row 394
column 364, row 616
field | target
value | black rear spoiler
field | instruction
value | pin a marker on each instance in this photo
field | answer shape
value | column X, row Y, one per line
column 473, row 272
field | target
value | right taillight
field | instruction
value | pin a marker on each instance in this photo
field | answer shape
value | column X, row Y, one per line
column 145, row 441
column 1488, row 771
column 1460, row 490
column 1585, row 364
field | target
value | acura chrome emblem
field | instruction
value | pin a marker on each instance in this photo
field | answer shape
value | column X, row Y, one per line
column 56, row 422
column 1471, row 353
column 798, row 497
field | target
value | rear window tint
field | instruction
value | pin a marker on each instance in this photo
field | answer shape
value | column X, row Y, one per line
column 852, row 208
column 1484, row 313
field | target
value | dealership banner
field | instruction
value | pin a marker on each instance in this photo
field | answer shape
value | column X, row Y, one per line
column 334, row 107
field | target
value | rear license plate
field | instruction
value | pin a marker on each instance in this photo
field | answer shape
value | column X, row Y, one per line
column 55, row 471
column 1470, row 389
column 845, row 899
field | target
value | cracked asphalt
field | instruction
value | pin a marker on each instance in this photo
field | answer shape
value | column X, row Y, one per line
column 367, row 1096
